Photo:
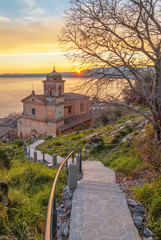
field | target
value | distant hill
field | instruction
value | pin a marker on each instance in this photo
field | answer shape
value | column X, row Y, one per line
column 64, row 74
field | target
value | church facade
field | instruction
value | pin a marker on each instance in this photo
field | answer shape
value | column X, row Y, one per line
column 53, row 112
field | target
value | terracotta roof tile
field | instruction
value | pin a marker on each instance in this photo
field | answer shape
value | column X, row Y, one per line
column 75, row 120
column 40, row 97
column 74, row 96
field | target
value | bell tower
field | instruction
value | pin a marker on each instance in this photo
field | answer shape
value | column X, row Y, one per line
column 54, row 98
column 53, row 85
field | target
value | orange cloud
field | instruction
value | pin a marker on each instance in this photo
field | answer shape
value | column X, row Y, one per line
column 40, row 37
column 31, row 47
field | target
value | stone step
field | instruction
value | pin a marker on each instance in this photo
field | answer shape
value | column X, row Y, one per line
column 106, row 188
column 99, row 207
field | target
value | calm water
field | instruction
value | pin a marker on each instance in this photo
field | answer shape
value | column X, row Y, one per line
column 13, row 90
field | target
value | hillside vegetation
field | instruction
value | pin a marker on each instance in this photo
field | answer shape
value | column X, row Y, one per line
column 23, row 208
column 130, row 149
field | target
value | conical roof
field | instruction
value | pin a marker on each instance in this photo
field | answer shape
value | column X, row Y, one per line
column 53, row 76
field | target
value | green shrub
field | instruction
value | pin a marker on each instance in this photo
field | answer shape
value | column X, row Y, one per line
column 83, row 141
column 78, row 136
column 6, row 155
column 126, row 118
column 18, row 142
column 108, row 127
column 144, row 194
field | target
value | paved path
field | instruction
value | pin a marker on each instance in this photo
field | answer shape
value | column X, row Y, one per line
column 48, row 157
column 99, row 208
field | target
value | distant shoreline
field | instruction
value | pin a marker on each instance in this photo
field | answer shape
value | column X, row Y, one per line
column 19, row 75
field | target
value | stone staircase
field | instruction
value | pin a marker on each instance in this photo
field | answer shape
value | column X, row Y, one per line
column 99, row 207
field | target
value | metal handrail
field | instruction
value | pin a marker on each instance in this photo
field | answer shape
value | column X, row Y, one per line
column 51, row 219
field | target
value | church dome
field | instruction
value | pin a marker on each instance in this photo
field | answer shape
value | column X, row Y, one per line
column 53, row 76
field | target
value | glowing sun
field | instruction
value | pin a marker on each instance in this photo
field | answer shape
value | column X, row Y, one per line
column 78, row 71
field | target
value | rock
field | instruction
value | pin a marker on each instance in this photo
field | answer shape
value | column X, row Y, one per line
column 132, row 202
column 86, row 150
column 116, row 139
column 93, row 142
column 127, row 122
column 66, row 229
column 143, row 122
column 59, row 233
column 147, row 233
column 68, row 206
column 65, row 190
column 139, row 209
column 67, row 214
column 78, row 132
column 60, row 211
column 138, row 220
column 127, row 138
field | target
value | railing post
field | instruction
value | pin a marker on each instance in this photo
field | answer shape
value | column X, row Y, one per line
column 29, row 151
column 80, row 170
column 72, row 176
column 73, row 158
column 43, row 156
column 66, row 156
column 54, row 160
column 78, row 164
column 25, row 148
column 35, row 156
column 54, row 218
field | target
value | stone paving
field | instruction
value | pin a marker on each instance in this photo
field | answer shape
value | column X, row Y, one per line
column 99, row 207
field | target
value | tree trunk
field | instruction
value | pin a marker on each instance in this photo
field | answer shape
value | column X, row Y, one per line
column 157, row 126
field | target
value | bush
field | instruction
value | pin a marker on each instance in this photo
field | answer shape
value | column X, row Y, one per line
column 19, row 142
column 149, row 150
column 109, row 114
column 6, row 154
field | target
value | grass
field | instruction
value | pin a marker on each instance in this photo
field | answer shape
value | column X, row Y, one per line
column 150, row 196
column 29, row 190
column 30, row 183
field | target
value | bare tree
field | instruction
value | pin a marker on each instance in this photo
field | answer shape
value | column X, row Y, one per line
column 120, row 41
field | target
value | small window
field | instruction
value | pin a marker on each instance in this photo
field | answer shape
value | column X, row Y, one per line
column 33, row 111
column 50, row 90
column 20, row 122
column 33, row 99
column 69, row 109
column 59, row 90
column 81, row 107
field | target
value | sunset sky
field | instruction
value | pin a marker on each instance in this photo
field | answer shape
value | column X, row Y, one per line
column 29, row 36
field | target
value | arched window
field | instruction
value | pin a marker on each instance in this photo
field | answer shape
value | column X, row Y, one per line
column 59, row 90
column 50, row 90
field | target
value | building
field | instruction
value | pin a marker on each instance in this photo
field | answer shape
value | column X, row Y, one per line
column 53, row 112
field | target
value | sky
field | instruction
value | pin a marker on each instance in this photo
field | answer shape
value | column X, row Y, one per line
column 29, row 36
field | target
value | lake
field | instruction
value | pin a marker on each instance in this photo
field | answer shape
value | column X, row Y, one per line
column 13, row 90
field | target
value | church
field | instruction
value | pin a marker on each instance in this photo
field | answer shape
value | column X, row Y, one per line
column 53, row 112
